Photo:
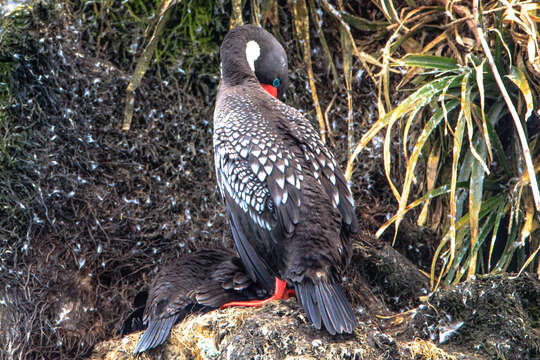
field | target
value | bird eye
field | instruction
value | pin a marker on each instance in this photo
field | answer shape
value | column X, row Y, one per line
column 276, row 83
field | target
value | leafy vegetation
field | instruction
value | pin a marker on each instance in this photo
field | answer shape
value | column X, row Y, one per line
column 470, row 125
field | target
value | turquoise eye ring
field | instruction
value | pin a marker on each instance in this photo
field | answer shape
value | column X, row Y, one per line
column 276, row 83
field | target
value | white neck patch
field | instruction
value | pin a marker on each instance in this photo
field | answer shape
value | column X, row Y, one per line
column 253, row 51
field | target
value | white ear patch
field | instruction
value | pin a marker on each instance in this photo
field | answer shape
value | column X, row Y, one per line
column 253, row 51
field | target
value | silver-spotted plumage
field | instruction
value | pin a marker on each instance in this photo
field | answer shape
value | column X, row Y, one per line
column 250, row 159
column 252, row 165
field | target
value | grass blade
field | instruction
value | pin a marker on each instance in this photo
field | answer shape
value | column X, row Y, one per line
column 518, row 78
column 515, row 117
column 433, row 62
column 441, row 190
column 493, row 117
column 432, row 170
column 347, row 74
column 236, row 16
column 409, row 175
column 476, row 186
column 479, row 70
column 456, row 150
column 301, row 23
column 501, row 210
column 364, row 24
column 418, row 99
column 144, row 60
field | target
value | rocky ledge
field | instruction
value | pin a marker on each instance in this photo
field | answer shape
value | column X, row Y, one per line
column 279, row 330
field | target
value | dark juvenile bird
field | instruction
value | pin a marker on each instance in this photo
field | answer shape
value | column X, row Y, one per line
column 200, row 281
column 289, row 206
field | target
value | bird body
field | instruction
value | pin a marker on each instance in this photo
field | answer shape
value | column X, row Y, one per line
column 200, row 281
column 289, row 206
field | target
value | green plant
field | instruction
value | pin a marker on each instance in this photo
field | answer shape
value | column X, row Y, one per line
column 470, row 133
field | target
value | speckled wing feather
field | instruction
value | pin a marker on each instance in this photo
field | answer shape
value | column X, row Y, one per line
column 323, row 163
column 261, row 163
column 261, row 177
column 260, row 181
column 228, row 282
column 168, row 302
column 201, row 281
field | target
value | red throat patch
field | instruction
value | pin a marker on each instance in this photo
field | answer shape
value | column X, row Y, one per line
column 270, row 89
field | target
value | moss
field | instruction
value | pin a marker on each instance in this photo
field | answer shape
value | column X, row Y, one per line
column 490, row 315
column 188, row 46
column 86, row 210
column 278, row 330
column 13, row 48
column 426, row 350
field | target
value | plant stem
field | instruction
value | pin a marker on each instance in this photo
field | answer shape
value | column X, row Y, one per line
column 522, row 138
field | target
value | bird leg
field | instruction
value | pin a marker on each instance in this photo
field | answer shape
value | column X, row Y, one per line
column 280, row 293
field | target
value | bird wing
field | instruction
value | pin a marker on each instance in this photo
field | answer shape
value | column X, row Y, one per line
column 323, row 163
column 260, row 181
column 165, row 306
column 228, row 282
column 173, row 293
column 260, row 166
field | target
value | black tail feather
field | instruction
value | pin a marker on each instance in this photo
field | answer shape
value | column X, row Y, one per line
column 326, row 314
column 309, row 303
column 326, row 302
column 155, row 334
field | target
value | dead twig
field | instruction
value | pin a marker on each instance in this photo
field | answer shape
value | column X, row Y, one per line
column 144, row 60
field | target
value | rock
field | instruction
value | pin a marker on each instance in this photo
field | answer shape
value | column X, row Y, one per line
column 278, row 330
column 495, row 315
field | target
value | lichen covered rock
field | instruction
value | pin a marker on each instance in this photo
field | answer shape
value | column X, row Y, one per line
column 494, row 315
column 279, row 330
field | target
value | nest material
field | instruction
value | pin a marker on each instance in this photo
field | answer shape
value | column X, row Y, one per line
column 493, row 315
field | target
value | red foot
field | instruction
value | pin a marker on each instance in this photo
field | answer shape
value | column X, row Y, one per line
column 289, row 293
column 280, row 293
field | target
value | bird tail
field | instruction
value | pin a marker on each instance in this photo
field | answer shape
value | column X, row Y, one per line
column 156, row 334
column 325, row 301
